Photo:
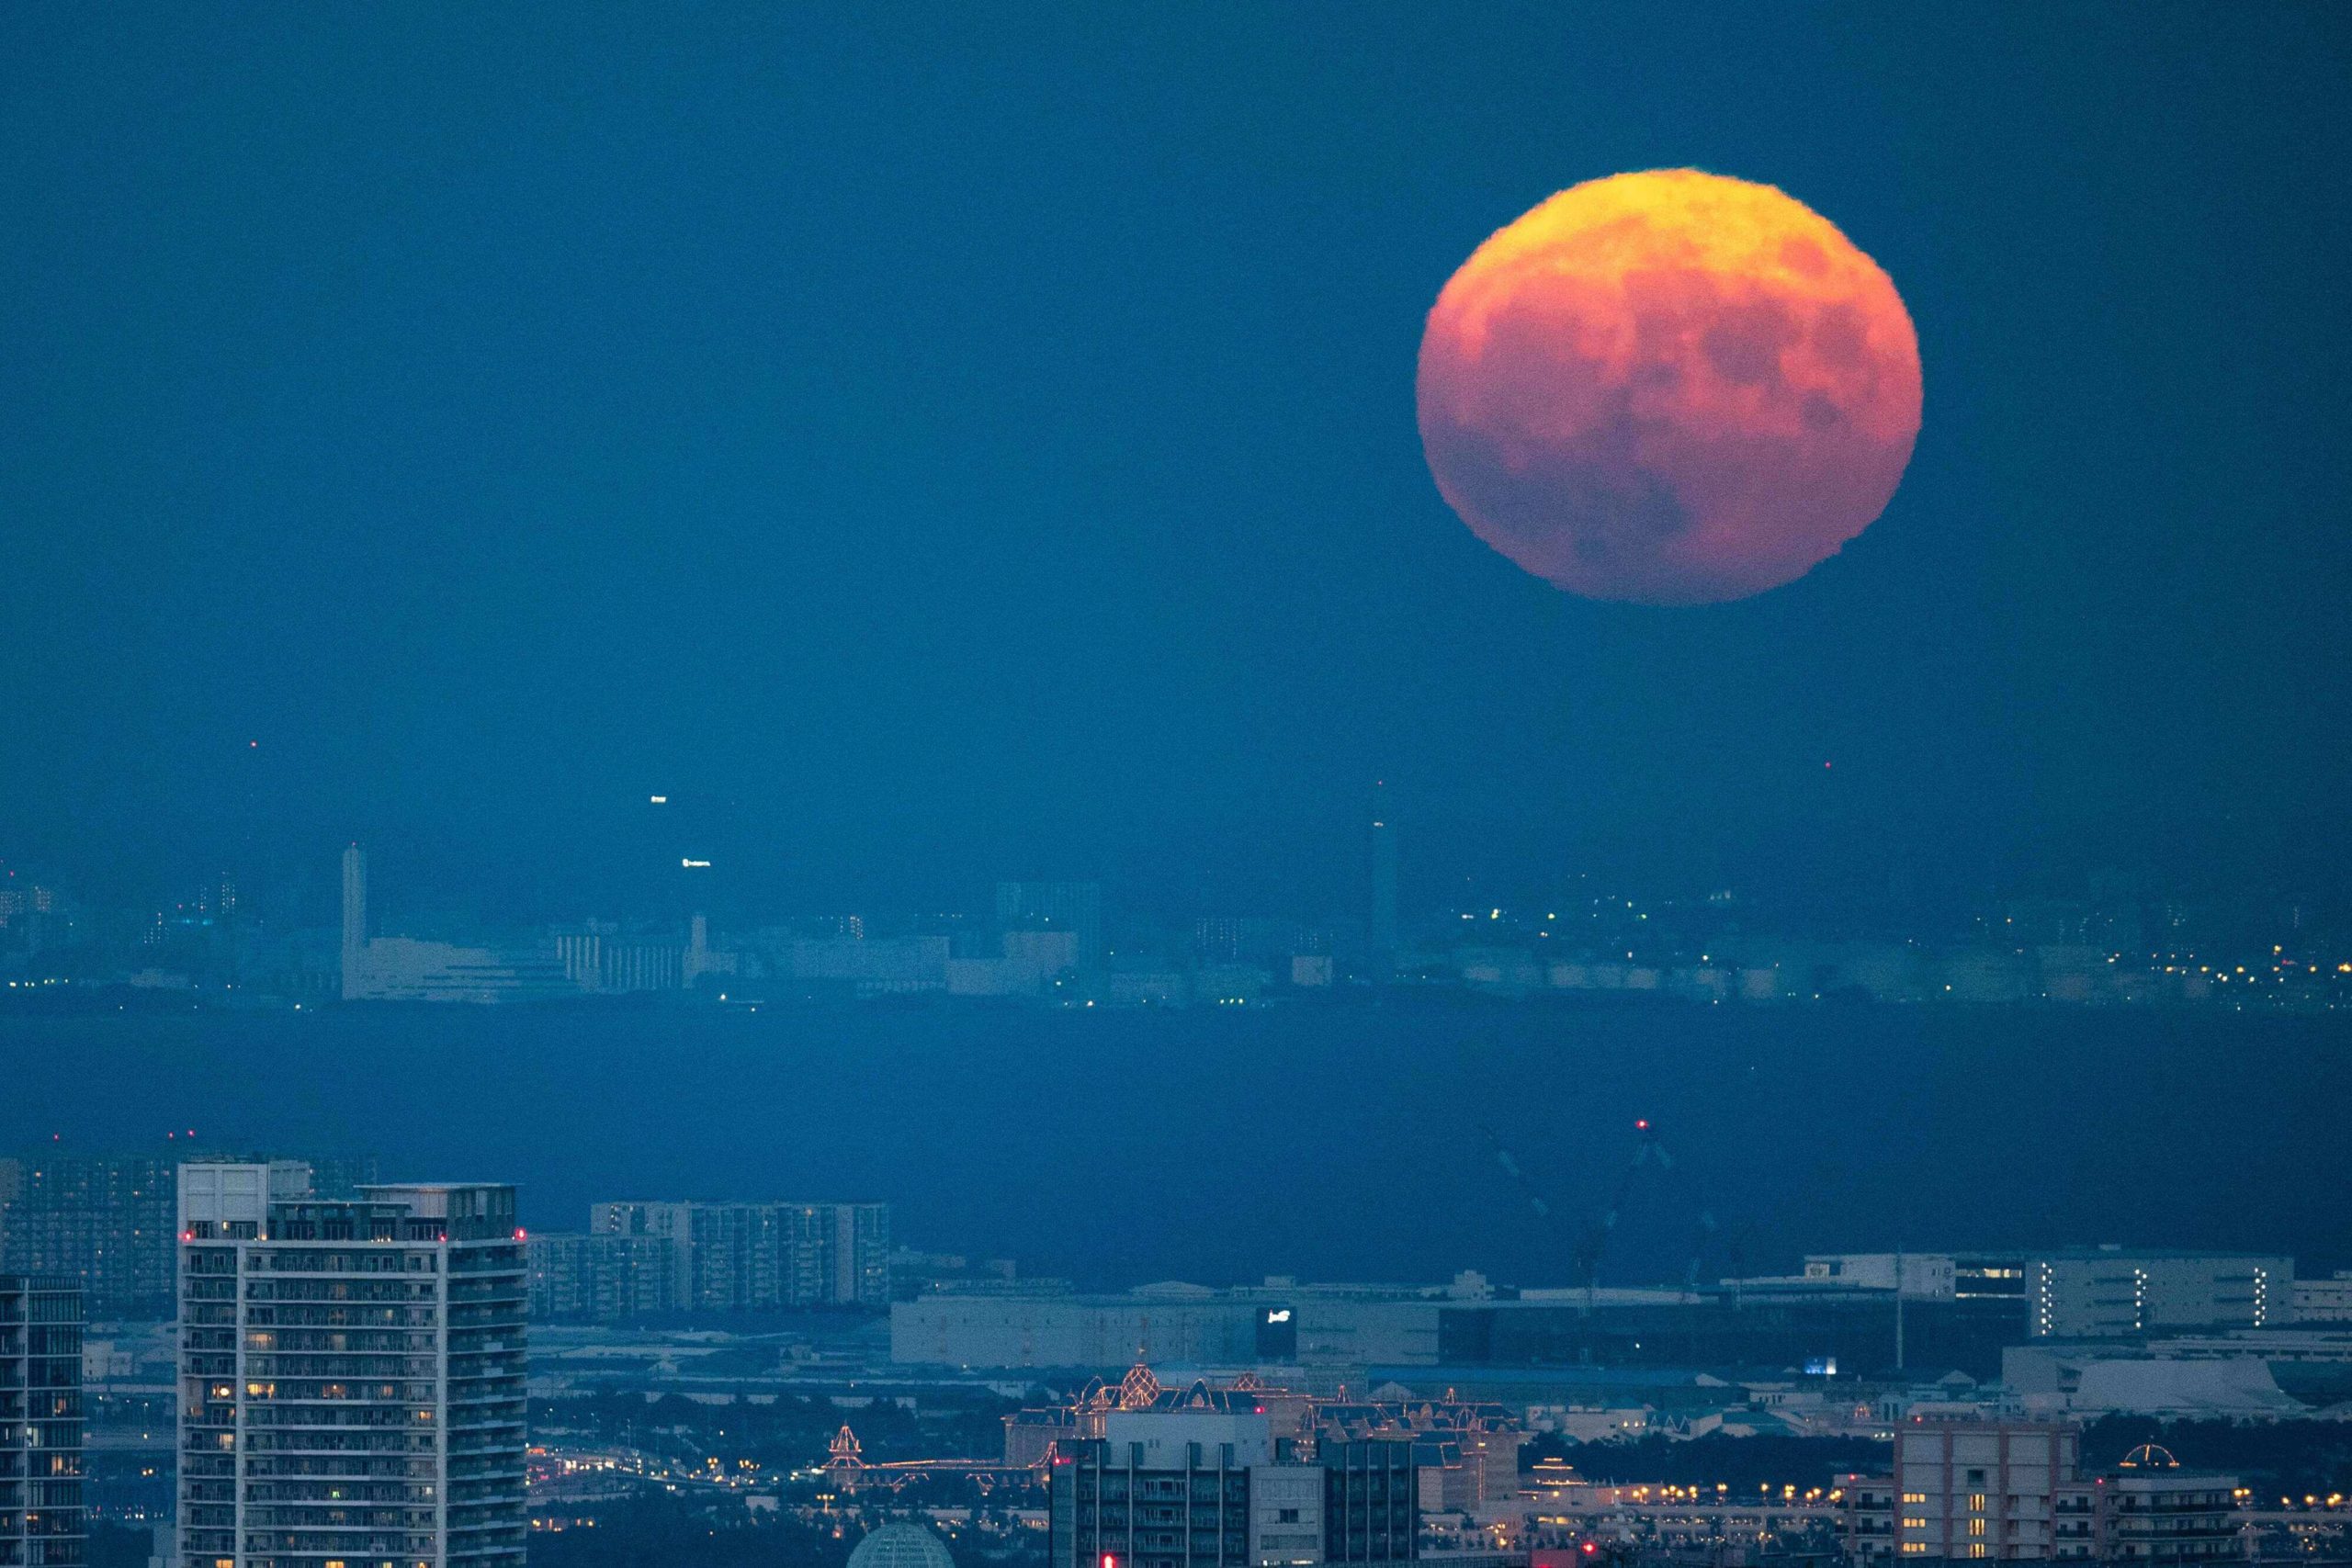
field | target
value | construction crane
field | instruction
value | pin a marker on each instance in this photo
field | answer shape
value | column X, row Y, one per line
column 1590, row 1244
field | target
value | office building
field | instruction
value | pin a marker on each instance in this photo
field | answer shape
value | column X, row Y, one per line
column 41, row 1422
column 351, row 1373
column 764, row 1257
column 1211, row 1488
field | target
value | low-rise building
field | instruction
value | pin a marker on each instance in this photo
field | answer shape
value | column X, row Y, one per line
column 2014, row 1491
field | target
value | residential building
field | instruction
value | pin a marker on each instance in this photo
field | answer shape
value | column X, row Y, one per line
column 351, row 1373
column 601, row 1278
column 2013, row 1491
column 2148, row 1509
column 763, row 1256
column 106, row 1222
column 41, row 1422
column 102, row 1222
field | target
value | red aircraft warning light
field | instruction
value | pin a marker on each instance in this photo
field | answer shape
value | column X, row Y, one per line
column 1643, row 1125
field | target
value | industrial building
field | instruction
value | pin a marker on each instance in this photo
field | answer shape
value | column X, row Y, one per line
column 2104, row 1291
column 412, row 969
column 41, row 1422
column 351, row 1373
column 2324, row 1300
column 2083, row 1292
column 1796, row 1323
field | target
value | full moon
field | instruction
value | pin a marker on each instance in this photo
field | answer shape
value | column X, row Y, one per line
column 1670, row 388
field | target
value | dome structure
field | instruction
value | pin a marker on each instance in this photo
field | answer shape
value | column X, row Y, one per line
column 901, row 1545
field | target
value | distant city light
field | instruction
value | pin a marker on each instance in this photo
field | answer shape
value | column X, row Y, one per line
column 692, row 865
column 659, row 799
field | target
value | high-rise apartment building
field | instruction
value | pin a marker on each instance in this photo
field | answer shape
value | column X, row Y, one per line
column 351, row 1374
column 601, row 1277
column 1213, row 1489
column 106, row 1222
column 763, row 1256
column 41, row 1422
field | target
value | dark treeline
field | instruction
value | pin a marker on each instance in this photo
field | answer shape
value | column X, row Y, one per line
column 790, row 1432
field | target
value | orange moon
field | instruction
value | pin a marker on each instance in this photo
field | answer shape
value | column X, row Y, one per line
column 1670, row 388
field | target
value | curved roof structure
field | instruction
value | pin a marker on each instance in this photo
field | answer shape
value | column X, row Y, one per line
column 901, row 1545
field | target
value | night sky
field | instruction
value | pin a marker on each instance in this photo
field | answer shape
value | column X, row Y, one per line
column 983, row 444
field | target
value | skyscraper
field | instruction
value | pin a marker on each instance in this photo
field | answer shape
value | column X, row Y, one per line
column 41, row 1422
column 351, row 1373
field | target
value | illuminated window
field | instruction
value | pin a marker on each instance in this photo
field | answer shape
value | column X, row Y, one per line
column 1976, row 1548
column 1914, row 1497
column 1976, row 1502
column 1915, row 1549
column 1976, row 1527
column 1910, row 1523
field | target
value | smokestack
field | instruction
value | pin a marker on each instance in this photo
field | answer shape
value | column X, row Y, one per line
column 355, row 919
